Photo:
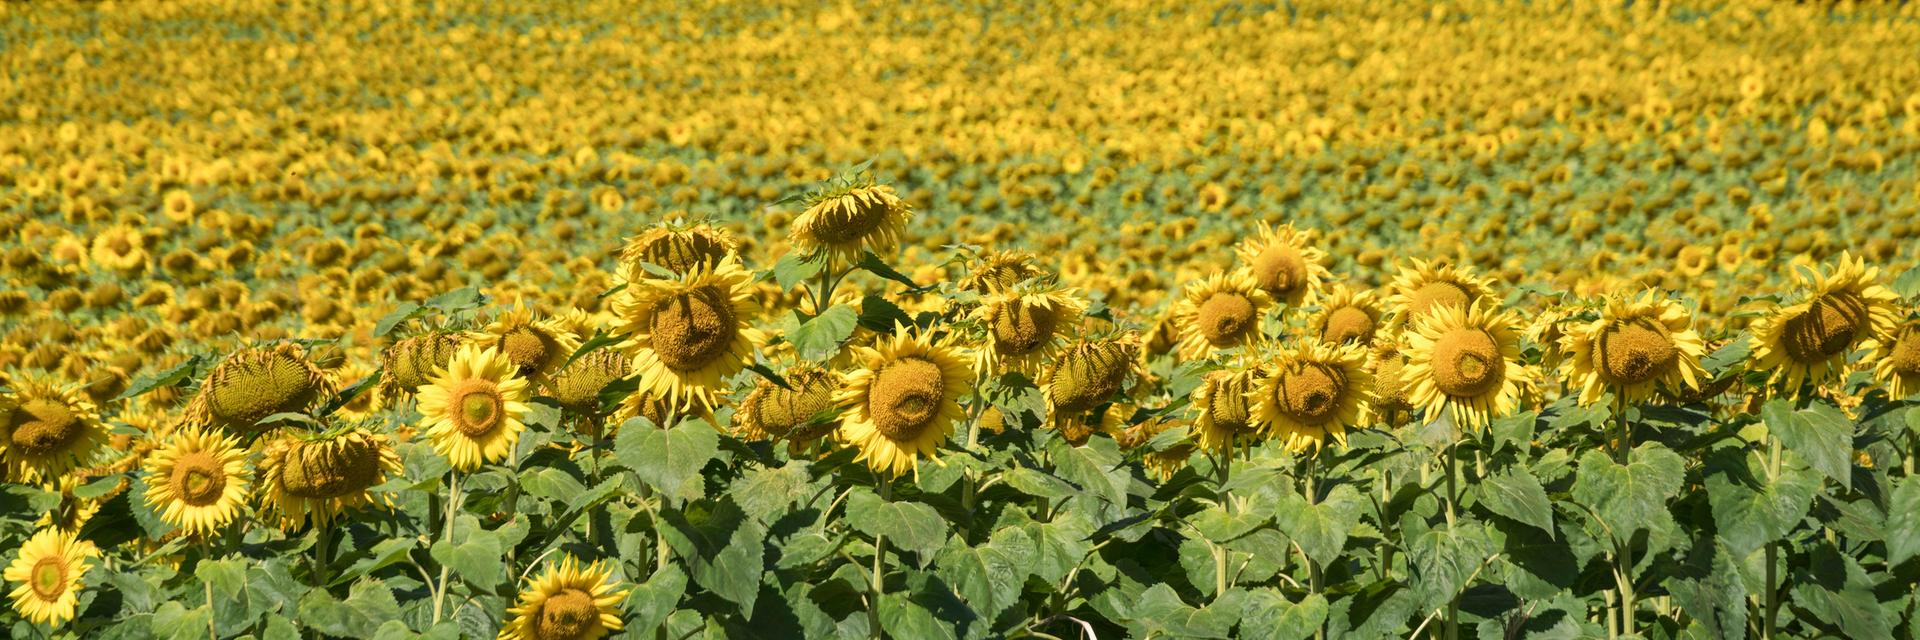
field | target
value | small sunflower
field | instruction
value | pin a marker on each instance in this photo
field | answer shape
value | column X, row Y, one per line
column 537, row 346
column 472, row 409
column 198, row 481
column 903, row 400
column 305, row 476
column 1081, row 382
column 410, row 363
column 50, row 570
column 1221, row 311
column 73, row 512
column 1633, row 345
column 847, row 219
column 688, row 336
column 46, row 431
column 1313, row 391
column 1224, row 409
column 1808, row 343
column 1388, row 362
column 1548, row 329
column 567, row 602
column 992, row 271
column 1465, row 362
column 800, row 413
column 257, row 382
column 1025, row 326
column 1896, row 359
column 119, row 248
column 1284, row 262
column 1423, row 287
column 1346, row 316
column 678, row 246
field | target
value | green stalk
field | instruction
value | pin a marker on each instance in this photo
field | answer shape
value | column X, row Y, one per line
column 1314, row 579
column 878, row 583
column 1773, row 548
column 453, row 509
column 1623, row 565
column 1453, row 497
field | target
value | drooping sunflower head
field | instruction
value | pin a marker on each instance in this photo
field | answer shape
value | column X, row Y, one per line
column 1423, row 287
column 410, row 363
column 1346, row 316
column 51, row 570
column 1896, row 359
column 1082, row 381
column 1635, row 344
column 1548, row 329
column 577, row 386
column 1025, row 326
column 318, row 476
column 1223, row 407
column 1388, row 361
column 1464, row 363
column 678, row 246
column 567, row 601
column 1806, row 344
column 46, row 431
column 1220, row 312
column 1284, row 262
column 851, row 217
column 903, row 399
column 198, row 481
column 801, row 412
column 537, row 346
column 1165, row 462
column 991, row 271
column 257, row 382
column 688, row 336
column 1313, row 391
column 472, row 410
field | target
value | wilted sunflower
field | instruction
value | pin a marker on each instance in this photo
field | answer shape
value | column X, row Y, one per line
column 46, row 431
column 1896, row 359
column 678, row 246
column 577, row 387
column 410, row 363
column 567, row 602
column 1081, row 382
column 1466, row 363
column 991, row 271
column 1807, row 343
column 1346, row 316
column 1549, row 330
column 1634, row 344
column 1223, row 407
column 1221, row 311
column 850, row 217
column 1388, row 362
column 472, row 409
column 688, row 335
column 1284, row 262
column 1313, row 391
column 50, row 570
column 799, row 413
column 257, row 382
column 537, row 346
column 1025, row 326
column 305, row 476
column 198, row 481
column 903, row 400
column 1421, row 288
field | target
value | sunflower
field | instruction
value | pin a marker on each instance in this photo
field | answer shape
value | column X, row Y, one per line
column 1313, row 391
column 799, row 413
column 1633, row 345
column 50, row 570
column 992, row 271
column 903, row 400
column 538, row 347
column 1425, row 286
column 849, row 218
column 73, row 512
column 472, row 408
column 1346, row 316
column 1284, row 262
column 1896, row 359
column 567, row 602
column 1548, row 329
column 577, row 387
column 305, row 476
column 1080, row 384
column 46, row 431
column 1221, row 311
column 1808, row 343
column 678, row 246
column 254, row 383
column 1165, row 462
column 1025, row 326
column 410, row 363
column 1223, row 407
column 198, row 480
column 119, row 248
column 1388, row 362
column 688, row 335
column 1465, row 362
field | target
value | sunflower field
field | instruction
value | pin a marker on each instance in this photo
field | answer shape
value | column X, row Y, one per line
column 404, row 319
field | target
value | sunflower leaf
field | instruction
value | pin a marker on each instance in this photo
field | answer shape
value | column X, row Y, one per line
column 794, row 269
column 1728, row 355
column 907, row 525
column 1820, row 433
column 600, row 339
column 873, row 264
column 1908, row 284
column 820, row 337
column 174, row 375
column 668, row 459
column 401, row 313
column 1516, row 494
column 1628, row 497
column 880, row 316
column 762, row 370
column 457, row 300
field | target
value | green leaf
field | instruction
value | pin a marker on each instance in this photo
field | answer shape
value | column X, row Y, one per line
column 401, row 313
column 457, row 300
column 765, row 492
column 874, row 265
column 794, row 269
column 1733, row 353
column 907, row 525
column 1321, row 529
column 475, row 556
column 384, row 553
column 649, row 603
column 1270, row 615
column 173, row 375
column 1446, row 557
column 1161, row 613
column 1626, row 497
column 1903, row 521
column 1516, row 494
column 1716, row 597
column 1094, row 466
column 1820, row 433
column 1908, row 284
column 768, row 373
column 724, row 549
column 175, row 620
column 600, row 339
column 881, row 316
column 901, row 617
column 668, row 459
column 1038, row 483
column 820, row 337
column 986, row 577
column 98, row 487
column 1748, row 517
column 1219, row 526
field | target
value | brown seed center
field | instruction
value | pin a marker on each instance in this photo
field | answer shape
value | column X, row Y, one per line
column 1022, row 328
column 43, row 427
column 1438, row 293
column 1906, row 352
column 1227, row 403
column 567, row 615
column 1086, row 378
column 780, row 411
column 1225, row 318
column 694, row 328
column 849, row 218
column 198, row 478
column 1826, row 329
column 1637, row 351
column 528, row 348
column 1280, row 269
column 1311, row 393
column 1467, row 363
column 1347, row 324
column 906, row 397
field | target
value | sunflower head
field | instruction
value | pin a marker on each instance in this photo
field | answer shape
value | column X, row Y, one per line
column 1465, row 362
column 317, row 476
column 1346, row 316
column 257, row 382
column 1806, row 344
column 1389, row 361
column 1423, row 287
column 409, row 363
column 1220, row 312
column 849, row 217
column 537, row 346
column 688, row 336
column 800, row 412
column 1224, row 407
column 1313, row 391
column 1633, row 345
column 1896, row 359
column 577, row 387
column 472, row 409
column 678, row 246
column 567, row 601
column 903, row 400
column 992, row 271
column 198, row 481
column 1026, row 326
column 46, row 431
column 50, row 570
column 1284, row 262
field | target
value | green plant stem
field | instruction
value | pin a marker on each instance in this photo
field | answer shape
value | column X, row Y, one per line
column 453, row 509
column 1453, row 497
column 212, row 634
column 322, row 554
column 1623, row 564
column 1314, row 579
column 1772, row 601
column 877, row 584
column 1386, row 498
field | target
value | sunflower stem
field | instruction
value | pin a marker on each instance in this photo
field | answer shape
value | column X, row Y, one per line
column 1453, row 497
column 453, row 509
column 322, row 553
column 1314, row 579
column 878, row 581
column 1772, row 601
